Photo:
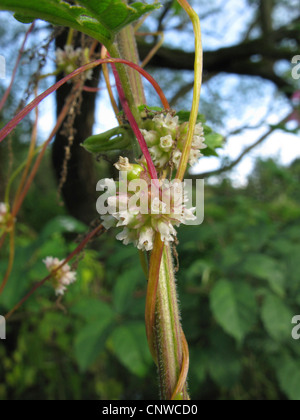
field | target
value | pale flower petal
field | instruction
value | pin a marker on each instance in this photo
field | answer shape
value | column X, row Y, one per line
column 166, row 143
column 176, row 158
column 150, row 137
column 62, row 277
column 3, row 212
column 146, row 238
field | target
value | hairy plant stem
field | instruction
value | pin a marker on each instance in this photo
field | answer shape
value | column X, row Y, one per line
column 168, row 332
column 129, row 50
column 166, row 339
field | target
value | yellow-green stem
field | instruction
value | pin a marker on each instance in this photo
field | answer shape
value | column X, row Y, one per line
column 168, row 339
column 197, row 87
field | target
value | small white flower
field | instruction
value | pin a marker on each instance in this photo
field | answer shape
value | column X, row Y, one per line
column 150, row 137
column 166, row 143
column 126, row 217
column 176, row 158
column 50, row 262
column 69, row 59
column 157, row 206
column 123, row 164
column 108, row 221
column 156, row 152
column 199, row 131
column 166, row 138
column 165, row 210
column 167, row 231
column 188, row 214
column 194, row 156
column 62, row 277
column 159, row 157
column 166, row 121
column 198, row 142
column 3, row 212
column 146, row 238
column 128, row 236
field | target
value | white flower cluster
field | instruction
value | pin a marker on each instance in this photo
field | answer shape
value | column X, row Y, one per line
column 69, row 59
column 165, row 138
column 152, row 209
column 62, row 277
column 3, row 212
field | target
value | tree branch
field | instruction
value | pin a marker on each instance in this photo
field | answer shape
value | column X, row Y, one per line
column 237, row 59
column 248, row 149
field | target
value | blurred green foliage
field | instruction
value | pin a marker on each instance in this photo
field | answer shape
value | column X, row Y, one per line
column 238, row 284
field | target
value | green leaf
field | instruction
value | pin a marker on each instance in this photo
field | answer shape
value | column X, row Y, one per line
column 184, row 116
column 60, row 13
column 99, row 19
column 23, row 19
column 124, row 288
column 18, row 281
column 90, row 341
column 213, row 141
column 288, row 374
column 92, row 309
column 198, row 359
column 129, row 344
column 277, row 318
column 223, row 361
column 114, row 14
column 62, row 224
column 266, row 268
column 234, row 307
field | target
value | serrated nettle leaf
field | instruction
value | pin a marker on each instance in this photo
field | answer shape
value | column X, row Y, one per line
column 184, row 116
column 124, row 288
column 207, row 129
column 23, row 19
column 61, row 224
column 214, row 140
column 266, row 268
column 288, row 374
column 114, row 14
column 277, row 318
column 223, row 360
column 129, row 345
column 92, row 309
column 234, row 307
column 59, row 13
column 99, row 19
column 91, row 339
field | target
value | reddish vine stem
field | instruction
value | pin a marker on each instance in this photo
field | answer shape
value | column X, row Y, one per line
column 38, row 161
column 184, row 367
column 134, row 125
column 76, row 251
column 7, row 92
column 30, row 153
column 18, row 202
column 22, row 114
column 153, row 279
